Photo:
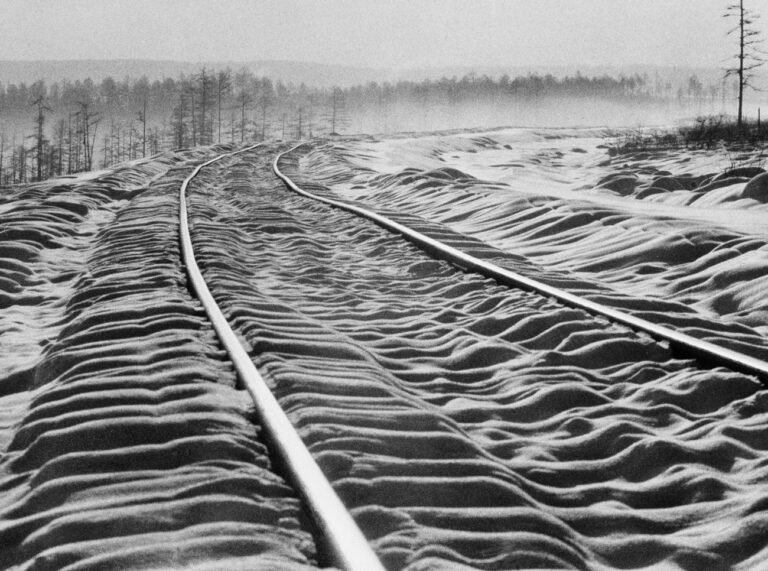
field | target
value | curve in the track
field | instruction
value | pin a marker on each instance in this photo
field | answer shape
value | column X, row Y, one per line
column 704, row 351
column 347, row 547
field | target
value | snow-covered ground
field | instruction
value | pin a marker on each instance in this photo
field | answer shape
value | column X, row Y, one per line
column 467, row 425
column 670, row 226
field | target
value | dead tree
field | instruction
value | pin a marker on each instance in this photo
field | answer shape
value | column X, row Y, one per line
column 130, row 141
column 60, row 135
column 2, row 153
column 223, row 83
column 265, row 101
column 748, row 58
column 88, row 132
column 206, row 94
column 192, row 102
column 143, row 120
column 337, row 114
column 19, row 162
column 243, row 100
column 179, row 127
column 40, row 140
column 70, row 141
column 335, row 101
column 105, row 152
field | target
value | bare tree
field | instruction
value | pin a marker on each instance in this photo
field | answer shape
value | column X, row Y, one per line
column 177, row 119
column 335, row 101
column 142, row 114
column 60, row 135
column 749, row 56
column 337, row 114
column 130, row 140
column 19, row 164
column 105, row 152
column 190, row 88
column 205, row 80
column 40, row 141
column 204, row 88
column 298, row 122
column 2, row 152
column 223, row 84
column 266, row 95
column 243, row 100
column 89, row 137
column 70, row 141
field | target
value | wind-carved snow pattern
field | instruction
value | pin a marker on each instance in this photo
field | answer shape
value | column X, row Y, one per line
column 124, row 442
column 464, row 423
column 469, row 425
column 678, row 237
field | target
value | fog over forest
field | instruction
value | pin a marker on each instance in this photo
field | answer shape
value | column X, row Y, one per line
column 49, row 128
column 183, row 73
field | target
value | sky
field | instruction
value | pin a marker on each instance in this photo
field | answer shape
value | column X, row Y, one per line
column 393, row 34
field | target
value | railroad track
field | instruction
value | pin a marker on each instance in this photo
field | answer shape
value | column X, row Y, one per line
column 344, row 543
column 125, row 443
column 458, row 417
column 463, row 423
column 709, row 353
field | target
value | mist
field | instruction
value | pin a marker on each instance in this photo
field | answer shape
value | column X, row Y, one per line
column 548, row 113
column 88, row 124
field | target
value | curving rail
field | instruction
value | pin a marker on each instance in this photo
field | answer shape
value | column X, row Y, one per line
column 346, row 546
column 704, row 351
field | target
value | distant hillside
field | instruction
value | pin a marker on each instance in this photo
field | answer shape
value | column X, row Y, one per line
column 315, row 74
column 327, row 75
column 665, row 73
column 296, row 72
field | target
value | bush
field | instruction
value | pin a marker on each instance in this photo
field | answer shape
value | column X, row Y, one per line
column 714, row 130
column 638, row 141
column 707, row 132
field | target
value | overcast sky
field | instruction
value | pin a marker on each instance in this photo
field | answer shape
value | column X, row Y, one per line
column 374, row 33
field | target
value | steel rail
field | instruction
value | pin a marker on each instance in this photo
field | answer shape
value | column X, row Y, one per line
column 686, row 345
column 347, row 547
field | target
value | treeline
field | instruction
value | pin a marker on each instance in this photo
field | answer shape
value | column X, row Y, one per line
column 68, row 127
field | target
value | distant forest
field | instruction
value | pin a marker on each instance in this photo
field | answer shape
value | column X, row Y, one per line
column 69, row 127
